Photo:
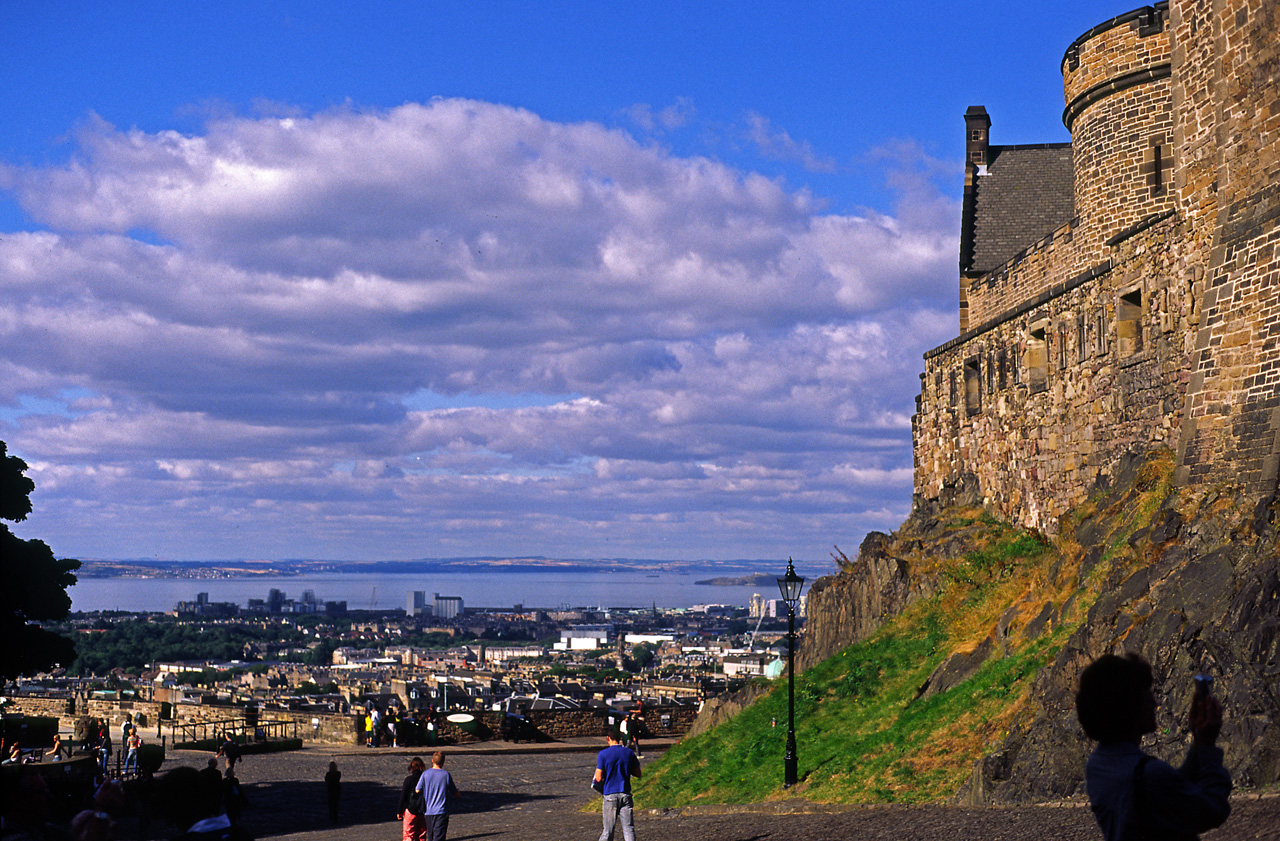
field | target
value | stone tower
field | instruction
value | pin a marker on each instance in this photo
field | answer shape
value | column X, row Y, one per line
column 1121, row 291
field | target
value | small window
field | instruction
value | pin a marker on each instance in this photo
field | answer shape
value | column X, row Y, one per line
column 1157, row 166
column 1004, row 368
column 972, row 386
column 1038, row 359
column 1082, row 346
column 1129, row 323
column 1015, row 364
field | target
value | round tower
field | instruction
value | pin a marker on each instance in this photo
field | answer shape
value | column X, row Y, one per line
column 1119, row 110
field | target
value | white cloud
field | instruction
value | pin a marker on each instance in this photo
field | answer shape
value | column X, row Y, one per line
column 723, row 361
column 778, row 144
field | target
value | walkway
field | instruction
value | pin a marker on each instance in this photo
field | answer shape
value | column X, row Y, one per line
column 525, row 793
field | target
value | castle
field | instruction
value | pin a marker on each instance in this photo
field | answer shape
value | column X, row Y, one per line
column 1121, row 291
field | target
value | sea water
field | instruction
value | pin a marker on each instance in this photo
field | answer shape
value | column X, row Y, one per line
column 487, row 588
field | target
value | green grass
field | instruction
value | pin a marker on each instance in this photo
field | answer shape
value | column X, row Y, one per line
column 863, row 731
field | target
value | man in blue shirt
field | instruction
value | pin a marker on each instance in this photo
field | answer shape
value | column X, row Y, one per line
column 437, row 787
column 615, row 766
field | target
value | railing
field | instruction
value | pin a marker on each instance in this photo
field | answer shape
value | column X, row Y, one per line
column 240, row 729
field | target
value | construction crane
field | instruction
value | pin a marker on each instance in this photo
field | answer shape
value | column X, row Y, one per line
column 752, row 646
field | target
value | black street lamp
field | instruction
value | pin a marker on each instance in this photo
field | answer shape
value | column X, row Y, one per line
column 790, row 585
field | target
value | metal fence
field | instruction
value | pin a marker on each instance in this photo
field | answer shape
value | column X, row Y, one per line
column 242, row 730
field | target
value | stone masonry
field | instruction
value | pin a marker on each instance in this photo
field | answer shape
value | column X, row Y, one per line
column 1150, row 317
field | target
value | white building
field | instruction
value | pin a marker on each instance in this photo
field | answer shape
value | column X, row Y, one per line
column 584, row 638
column 446, row 607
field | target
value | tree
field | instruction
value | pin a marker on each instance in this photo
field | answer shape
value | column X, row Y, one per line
column 33, row 584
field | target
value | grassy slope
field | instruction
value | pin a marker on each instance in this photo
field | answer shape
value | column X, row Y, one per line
column 862, row 732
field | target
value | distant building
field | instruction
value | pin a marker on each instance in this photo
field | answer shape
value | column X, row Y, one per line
column 584, row 638
column 745, row 665
column 446, row 607
column 203, row 607
column 416, row 604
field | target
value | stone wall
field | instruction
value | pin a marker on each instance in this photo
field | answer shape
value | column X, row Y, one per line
column 1229, row 115
column 1027, row 275
column 663, row 722
column 1040, row 402
column 1153, row 319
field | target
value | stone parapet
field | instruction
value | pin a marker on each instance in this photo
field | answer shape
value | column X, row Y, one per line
column 1037, row 403
column 662, row 722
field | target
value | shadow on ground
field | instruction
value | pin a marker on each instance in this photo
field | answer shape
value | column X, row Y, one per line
column 288, row 807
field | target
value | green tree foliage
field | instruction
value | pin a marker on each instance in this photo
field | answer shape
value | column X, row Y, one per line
column 642, row 655
column 135, row 644
column 33, row 584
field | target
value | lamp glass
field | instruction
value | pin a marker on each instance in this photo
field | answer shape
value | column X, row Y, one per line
column 790, row 584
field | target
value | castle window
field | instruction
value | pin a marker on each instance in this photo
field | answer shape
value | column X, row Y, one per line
column 1003, row 365
column 1157, row 165
column 1062, row 346
column 1100, row 334
column 1082, row 346
column 972, row 386
column 1129, row 323
column 1015, row 364
column 1038, row 359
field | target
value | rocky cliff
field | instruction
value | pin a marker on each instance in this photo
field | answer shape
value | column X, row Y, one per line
column 1191, row 580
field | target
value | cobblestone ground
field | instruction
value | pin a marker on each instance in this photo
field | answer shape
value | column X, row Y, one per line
column 509, row 795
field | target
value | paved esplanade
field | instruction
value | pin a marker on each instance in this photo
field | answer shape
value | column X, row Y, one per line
column 518, row 796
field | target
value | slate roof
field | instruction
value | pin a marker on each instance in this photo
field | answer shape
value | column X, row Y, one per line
column 1027, row 192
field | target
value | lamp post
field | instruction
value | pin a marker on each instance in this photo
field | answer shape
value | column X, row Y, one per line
column 790, row 585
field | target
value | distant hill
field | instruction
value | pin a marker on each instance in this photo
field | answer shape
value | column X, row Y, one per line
column 757, row 579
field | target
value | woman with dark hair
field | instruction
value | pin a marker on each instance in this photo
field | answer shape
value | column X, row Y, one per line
column 414, row 825
column 1134, row 795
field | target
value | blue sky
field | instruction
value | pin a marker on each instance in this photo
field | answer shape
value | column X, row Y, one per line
column 400, row 280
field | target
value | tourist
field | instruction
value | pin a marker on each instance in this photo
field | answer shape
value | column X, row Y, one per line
column 132, row 744
column 193, row 802
column 104, row 747
column 126, row 728
column 1134, row 795
column 436, row 786
column 233, row 797
column 413, row 826
column 211, row 776
column 230, row 749
column 615, row 766
column 633, row 729
column 333, row 788
column 56, row 748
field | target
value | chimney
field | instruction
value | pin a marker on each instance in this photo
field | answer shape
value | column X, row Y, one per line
column 977, row 133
